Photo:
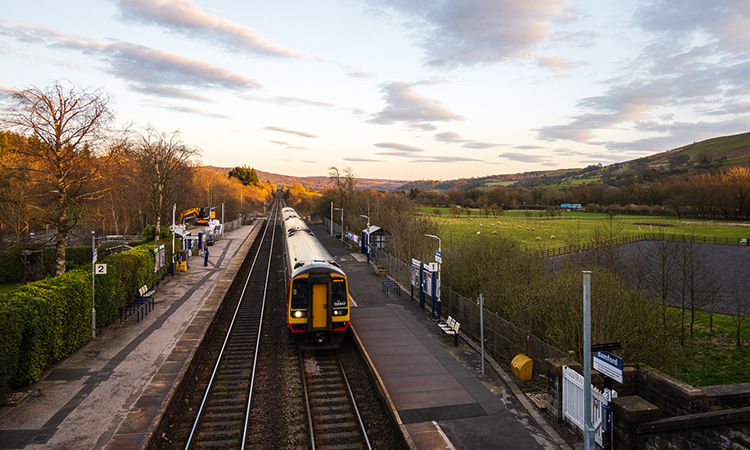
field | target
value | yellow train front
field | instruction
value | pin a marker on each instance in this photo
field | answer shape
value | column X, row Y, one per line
column 318, row 299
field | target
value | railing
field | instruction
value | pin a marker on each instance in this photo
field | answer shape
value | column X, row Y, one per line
column 567, row 249
column 502, row 338
column 573, row 402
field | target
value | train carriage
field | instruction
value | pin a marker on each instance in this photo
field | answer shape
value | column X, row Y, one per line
column 317, row 298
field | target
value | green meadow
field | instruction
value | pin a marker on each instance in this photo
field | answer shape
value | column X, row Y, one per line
column 574, row 227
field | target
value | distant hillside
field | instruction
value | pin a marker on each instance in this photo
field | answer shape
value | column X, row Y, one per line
column 708, row 155
column 703, row 156
column 316, row 183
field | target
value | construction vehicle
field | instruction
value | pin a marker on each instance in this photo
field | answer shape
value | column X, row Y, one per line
column 197, row 216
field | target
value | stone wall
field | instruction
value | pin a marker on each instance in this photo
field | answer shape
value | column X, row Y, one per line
column 656, row 411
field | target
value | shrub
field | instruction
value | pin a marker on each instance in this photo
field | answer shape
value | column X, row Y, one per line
column 47, row 320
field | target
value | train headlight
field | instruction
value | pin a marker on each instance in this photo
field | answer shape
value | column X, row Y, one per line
column 298, row 314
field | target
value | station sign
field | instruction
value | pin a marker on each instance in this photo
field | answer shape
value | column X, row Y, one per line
column 438, row 256
column 609, row 365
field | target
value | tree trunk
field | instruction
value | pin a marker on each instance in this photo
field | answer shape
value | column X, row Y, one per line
column 60, row 246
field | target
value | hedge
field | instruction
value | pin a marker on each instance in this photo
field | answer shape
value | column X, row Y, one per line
column 11, row 267
column 44, row 321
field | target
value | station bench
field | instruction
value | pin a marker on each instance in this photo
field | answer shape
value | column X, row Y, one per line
column 386, row 285
column 450, row 327
column 141, row 306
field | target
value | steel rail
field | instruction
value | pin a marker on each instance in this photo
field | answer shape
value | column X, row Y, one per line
column 229, row 332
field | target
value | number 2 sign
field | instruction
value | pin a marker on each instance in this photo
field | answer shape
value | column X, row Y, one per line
column 100, row 269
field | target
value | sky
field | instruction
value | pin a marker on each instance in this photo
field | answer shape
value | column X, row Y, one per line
column 398, row 89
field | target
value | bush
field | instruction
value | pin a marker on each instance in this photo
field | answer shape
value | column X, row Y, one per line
column 150, row 230
column 47, row 320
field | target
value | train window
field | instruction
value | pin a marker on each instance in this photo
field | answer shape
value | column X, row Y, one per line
column 339, row 293
column 299, row 294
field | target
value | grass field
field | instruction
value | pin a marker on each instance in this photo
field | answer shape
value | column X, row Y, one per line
column 572, row 228
column 713, row 358
column 709, row 358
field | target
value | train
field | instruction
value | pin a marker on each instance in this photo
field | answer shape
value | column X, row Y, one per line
column 318, row 291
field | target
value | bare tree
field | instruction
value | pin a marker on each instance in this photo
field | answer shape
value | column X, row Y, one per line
column 740, row 310
column 66, row 127
column 697, row 281
column 656, row 269
column 163, row 159
column 605, row 236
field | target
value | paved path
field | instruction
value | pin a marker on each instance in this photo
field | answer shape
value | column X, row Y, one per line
column 81, row 401
column 436, row 393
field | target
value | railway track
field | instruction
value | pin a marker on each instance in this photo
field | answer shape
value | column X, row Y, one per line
column 217, row 414
column 333, row 417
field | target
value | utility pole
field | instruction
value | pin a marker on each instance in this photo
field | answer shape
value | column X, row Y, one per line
column 588, row 427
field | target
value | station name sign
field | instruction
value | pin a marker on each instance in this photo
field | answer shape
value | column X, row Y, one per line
column 609, row 365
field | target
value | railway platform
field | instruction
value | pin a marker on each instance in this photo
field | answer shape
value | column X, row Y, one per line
column 435, row 390
column 108, row 393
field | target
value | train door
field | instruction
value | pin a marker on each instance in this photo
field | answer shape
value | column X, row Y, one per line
column 320, row 299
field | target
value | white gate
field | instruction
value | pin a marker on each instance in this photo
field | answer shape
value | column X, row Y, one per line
column 573, row 402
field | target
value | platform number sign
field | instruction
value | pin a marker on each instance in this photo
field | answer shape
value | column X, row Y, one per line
column 100, row 269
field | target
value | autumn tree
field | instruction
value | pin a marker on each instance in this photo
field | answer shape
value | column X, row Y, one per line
column 246, row 175
column 65, row 127
column 163, row 159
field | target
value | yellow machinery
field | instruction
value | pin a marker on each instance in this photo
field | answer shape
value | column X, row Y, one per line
column 197, row 216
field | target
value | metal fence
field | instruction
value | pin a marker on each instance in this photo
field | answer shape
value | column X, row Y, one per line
column 502, row 338
column 567, row 249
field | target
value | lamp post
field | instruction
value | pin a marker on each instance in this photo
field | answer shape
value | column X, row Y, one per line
column 439, row 261
column 331, row 218
column 342, row 222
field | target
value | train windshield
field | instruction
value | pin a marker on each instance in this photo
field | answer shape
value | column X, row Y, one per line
column 339, row 293
column 299, row 293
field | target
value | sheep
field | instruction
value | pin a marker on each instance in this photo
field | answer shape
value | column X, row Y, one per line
column 507, row 224
column 479, row 232
column 494, row 232
column 532, row 228
column 519, row 227
column 552, row 237
column 538, row 238
column 481, row 224
column 527, row 228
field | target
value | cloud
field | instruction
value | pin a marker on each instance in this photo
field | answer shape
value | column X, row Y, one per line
column 163, row 91
column 528, row 147
column 523, row 157
column 185, row 17
column 405, row 105
column 289, row 146
column 450, row 137
column 445, row 159
column 693, row 65
column 195, row 111
column 470, row 32
column 296, row 101
column 355, row 159
column 297, row 133
column 137, row 64
column 399, row 149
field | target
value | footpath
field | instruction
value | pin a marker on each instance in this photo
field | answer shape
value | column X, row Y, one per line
column 436, row 390
column 81, row 401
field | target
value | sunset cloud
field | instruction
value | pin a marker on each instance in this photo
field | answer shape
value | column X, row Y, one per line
column 296, row 133
column 471, row 32
column 187, row 18
column 405, row 105
column 137, row 64
column 289, row 146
